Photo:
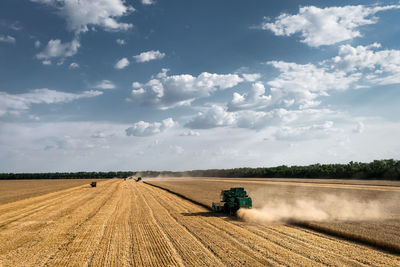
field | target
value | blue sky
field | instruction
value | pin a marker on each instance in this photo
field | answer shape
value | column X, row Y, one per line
column 137, row 85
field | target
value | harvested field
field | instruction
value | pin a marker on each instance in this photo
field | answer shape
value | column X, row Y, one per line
column 367, row 212
column 12, row 190
column 124, row 223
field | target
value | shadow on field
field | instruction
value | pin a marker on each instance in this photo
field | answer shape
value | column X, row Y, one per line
column 211, row 214
column 203, row 214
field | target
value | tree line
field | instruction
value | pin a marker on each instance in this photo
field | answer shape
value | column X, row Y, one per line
column 388, row 169
column 66, row 175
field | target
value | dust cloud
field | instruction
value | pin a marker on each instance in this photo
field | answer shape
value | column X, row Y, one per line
column 326, row 207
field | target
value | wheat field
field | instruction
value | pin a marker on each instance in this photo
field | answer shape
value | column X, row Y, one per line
column 125, row 223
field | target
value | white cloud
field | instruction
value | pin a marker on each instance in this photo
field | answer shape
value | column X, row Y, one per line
column 305, row 132
column 143, row 128
column 359, row 128
column 122, row 63
column 378, row 67
column 136, row 85
column 46, row 62
column 16, row 103
column 326, row 26
column 56, row 49
column 165, row 91
column 254, row 99
column 302, row 84
column 104, row 84
column 16, row 26
column 7, row 39
column 219, row 116
column 73, row 65
column 148, row 56
column 251, row 77
column 37, row 44
column 215, row 116
column 148, row 2
column 121, row 42
column 190, row 133
column 81, row 14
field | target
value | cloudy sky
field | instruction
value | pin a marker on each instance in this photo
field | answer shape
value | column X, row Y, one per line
column 179, row 85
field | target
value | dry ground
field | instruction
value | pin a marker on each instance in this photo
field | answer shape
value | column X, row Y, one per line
column 11, row 190
column 383, row 233
column 124, row 223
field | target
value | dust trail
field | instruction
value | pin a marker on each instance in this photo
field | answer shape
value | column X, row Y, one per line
column 328, row 207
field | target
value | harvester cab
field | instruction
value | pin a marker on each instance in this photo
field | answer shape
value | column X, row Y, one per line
column 232, row 200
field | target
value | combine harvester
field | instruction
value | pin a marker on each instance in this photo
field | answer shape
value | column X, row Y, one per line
column 138, row 179
column 232, row 200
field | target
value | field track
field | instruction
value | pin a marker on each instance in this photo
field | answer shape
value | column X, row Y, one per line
column 124, row 223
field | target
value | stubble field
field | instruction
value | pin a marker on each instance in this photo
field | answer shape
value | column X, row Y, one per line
column 12, row 190
column 366, row 212
column 124, row 223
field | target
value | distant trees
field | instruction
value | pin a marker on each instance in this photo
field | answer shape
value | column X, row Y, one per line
column 388, row 169
column 65, row 175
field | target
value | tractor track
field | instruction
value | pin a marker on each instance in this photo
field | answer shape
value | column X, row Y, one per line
column 127, row 223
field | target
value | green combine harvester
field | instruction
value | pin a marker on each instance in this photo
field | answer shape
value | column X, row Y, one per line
column 138, row 179
column 232, row 200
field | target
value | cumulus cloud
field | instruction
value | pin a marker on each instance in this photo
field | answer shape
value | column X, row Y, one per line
column 81, row 14
column 165, row 91
column 302, row 84
column 136, row 85
column 148, row 2
column 254, row 99
column 215, row 116
column 326, row 26
column 148, row 56
column 104, row 85
column 7, row 39
column 219, row 116
column 305, row 132
column 57, row 49
column 15, row 103
column 296, row 93
column 121, row 42
column 379, row 67
column 73, row 65
column 143, row 128
column 190, row 133
column 251, row 77
column 122, row 63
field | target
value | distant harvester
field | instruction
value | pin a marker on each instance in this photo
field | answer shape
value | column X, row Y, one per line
column 93, row 184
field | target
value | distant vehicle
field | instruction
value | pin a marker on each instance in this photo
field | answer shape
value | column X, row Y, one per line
column 232, row 200
column 93, row 184
column 138, row 179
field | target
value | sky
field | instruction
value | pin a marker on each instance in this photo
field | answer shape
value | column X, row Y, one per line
column 182, row 85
